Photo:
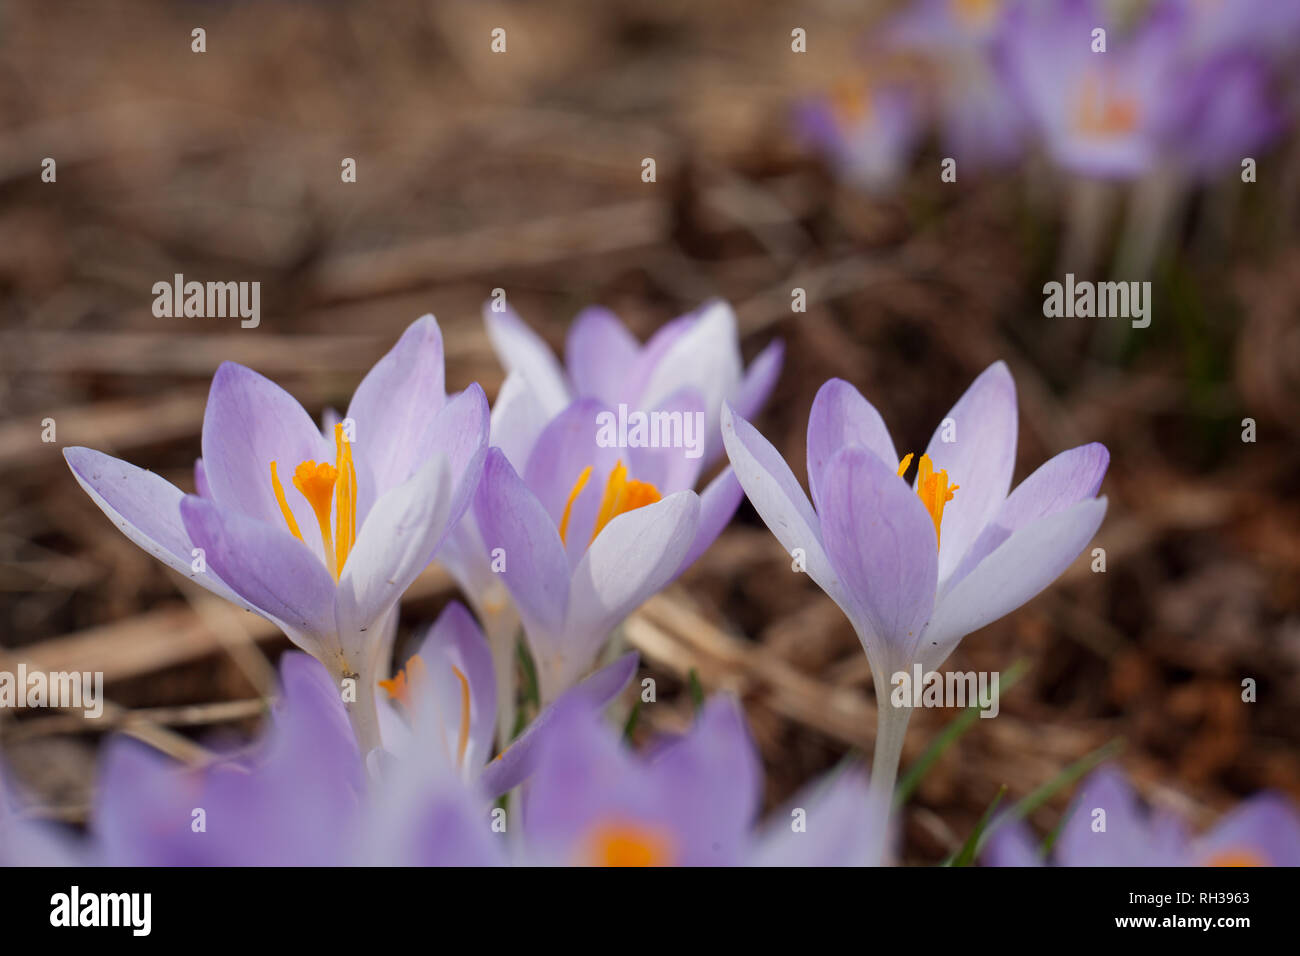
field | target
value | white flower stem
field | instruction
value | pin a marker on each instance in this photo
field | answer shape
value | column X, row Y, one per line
column 363, row 714
column 891, row 729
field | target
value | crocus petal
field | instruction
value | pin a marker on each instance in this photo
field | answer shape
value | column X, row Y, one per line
column 566, row 447
column 396, row 542
column 1264, row 828
column 460, row 432
column 520, row 349
column 705, row 358
column 536, row 571
column 715, row 769
column 837, row 827
column 1011, row 844
column 881, row 540
column 394, row 402
column 1024, row 564
column 517, row 762
column 201, row 480
column 456, row 641
column 980, row 460
column 718, row 503
column 1057, row 484
column 634, row 556
column 267, row 567
column 674, row 465
column 760, row 378
column 775, row 494
column 1126, row 841
column 840, row 416
column 249, row 423
column 599, row 351
column 146, row 508
column 517, row 420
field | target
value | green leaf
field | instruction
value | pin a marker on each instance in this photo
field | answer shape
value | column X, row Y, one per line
column 950, row 735
column 697, row 690
column 532, row 690
column 966, row 855
column 632, row 719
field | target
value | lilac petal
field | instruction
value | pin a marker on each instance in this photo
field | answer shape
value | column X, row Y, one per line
column 517, row 420
column 393, row 546
column 838, row 827
column 142, row 811
column 759, row 380
column 460, row 432
column 249, row 423
column 518, row 761
column 634, row 556
column 705, row 358
column 599, row 353
column 201, row 480
column 267, row 567
column 881, row 540
column 1264, row 828
column 520, row 349
column 146, row 508
column 718, row 503
column 536, row 571
column 671, row 467
column 428, row 817
column 714, row 770
column 1011, row 844
column 775, row 494
column 456, row 641
column 394, row 402
column 653, row 352
column 1024, row 564
column 1126, row 841
column 1057, row 484
column 840, row 416
column 980, row 460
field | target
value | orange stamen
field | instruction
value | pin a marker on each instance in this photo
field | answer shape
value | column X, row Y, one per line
column 284, row 505
column 621, row 496
column 400, row 686
column 932, row 488
column 1236, row 857
column 573, row 496
column 316, row 483
column 464, row 716
column 345, row 513
column 627, row 843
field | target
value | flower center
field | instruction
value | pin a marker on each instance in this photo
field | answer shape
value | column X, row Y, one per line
column 621, row 496
column 326, row 489
column 400, row 689
column 1100, row 110
column 627, row 843
column 931, row 487
column 1236, row 857
column 851, row 101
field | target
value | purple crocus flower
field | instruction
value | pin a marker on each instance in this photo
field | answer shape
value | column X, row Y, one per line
column 1099, row 114
column 979, row 119
column 587, row 532
column 689, row 802
column 1262, row 831
column 320, row 535
column 867, row 131
column 699, row 352
column 917, row 566
column 1251, row 26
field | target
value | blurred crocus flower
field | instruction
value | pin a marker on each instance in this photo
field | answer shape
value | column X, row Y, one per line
column 917, row 566
column 1100, row 114
column 868, row 131
column 979, row 120
column 698, row 352
column 586, row 532
column 691, row 801
column 1248, row 26
column 319, row 534
column 1262, row 831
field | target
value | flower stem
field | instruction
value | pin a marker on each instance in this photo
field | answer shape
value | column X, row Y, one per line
column 891, row 729
column 502, row 630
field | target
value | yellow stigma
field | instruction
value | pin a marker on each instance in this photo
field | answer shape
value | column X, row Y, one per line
column 1236, row 857
column 328, row 489
column 1103, row 112
column 399, row 687
column 931, row 487
column 621, row 496
column 627, row 843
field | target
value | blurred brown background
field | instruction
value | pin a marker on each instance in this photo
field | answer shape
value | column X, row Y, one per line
column 522, row 171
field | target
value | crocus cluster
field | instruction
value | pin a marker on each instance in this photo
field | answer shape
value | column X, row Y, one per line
column 1187, row 88
column 555, row 533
